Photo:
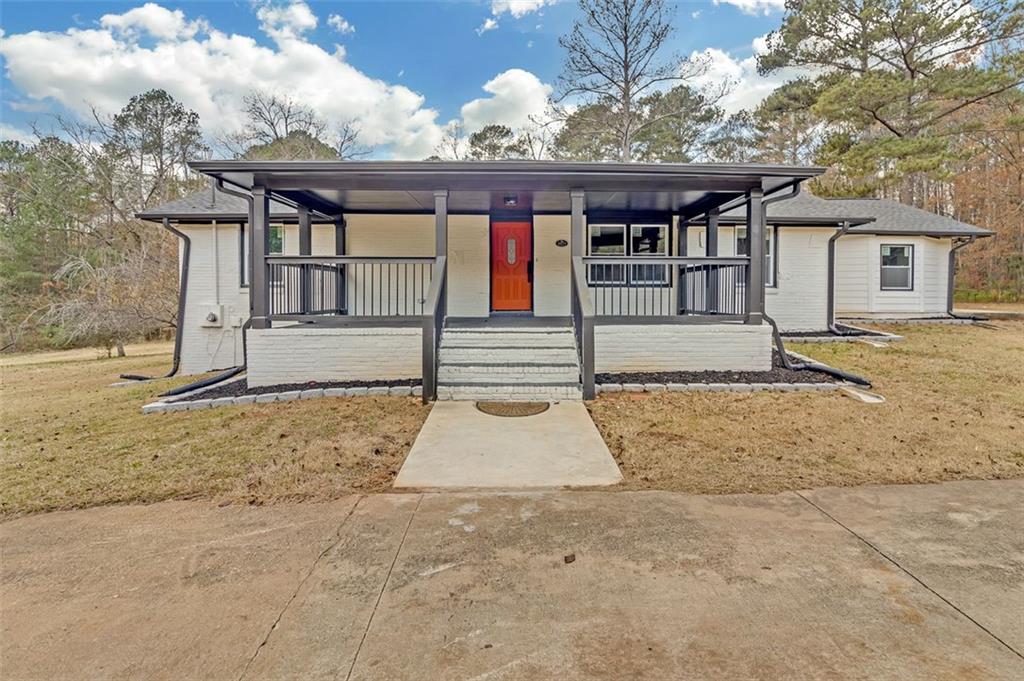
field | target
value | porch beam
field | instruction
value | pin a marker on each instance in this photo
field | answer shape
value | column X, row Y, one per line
column 755, row 271
column 259, row 228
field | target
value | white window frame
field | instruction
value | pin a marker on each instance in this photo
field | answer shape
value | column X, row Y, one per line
column 625, row 251
column 909, row 267
column 769, row 250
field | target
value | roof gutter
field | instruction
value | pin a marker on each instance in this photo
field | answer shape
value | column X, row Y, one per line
column 182, row 293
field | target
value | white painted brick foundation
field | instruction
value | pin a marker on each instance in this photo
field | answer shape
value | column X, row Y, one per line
column 682, row 347
column 296, row 355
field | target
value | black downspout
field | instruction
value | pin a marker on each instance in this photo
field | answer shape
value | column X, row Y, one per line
column 830, row 313
column 182, row 293
column 951, row 275
column 233, row 371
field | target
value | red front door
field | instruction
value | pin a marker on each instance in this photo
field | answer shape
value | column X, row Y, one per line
column 511, row 266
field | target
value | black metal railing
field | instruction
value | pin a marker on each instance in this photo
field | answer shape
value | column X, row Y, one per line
column 356, row 286
column 433, row 327
column 583, row 325
column 648, row 286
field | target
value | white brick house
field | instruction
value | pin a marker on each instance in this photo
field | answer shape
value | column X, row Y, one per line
column 475, row 276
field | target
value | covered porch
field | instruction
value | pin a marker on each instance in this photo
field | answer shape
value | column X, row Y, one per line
column 596, row 253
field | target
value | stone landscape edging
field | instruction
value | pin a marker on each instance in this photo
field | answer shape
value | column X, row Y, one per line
column 186, row 401
column 716, row 387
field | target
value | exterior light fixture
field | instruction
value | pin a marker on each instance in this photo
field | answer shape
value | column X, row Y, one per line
column 511, row 200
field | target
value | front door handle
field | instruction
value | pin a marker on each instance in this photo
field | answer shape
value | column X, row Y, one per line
column 529, row 272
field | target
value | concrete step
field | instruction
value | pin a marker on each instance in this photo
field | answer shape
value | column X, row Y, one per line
column 508, row 329
column 508, row 374
column 522, row 393
column 495, row 340
column 506, row 355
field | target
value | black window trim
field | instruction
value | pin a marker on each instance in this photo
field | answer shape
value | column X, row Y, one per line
column 627, row 224
column 775, row 251
column 882, row 266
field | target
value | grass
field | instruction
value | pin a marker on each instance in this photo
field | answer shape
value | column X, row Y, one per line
column 954, row 410
column 993, row 307
column 71, row 441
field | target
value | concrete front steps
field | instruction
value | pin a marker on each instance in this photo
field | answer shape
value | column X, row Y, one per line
column 519, row 363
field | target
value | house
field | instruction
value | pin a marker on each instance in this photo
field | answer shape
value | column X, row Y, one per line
column 497, row 278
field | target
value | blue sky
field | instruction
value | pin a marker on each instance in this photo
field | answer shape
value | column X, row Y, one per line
column 400, row 70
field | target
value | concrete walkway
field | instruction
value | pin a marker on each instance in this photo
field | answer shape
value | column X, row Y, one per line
column 460, row 447
column 922, row 582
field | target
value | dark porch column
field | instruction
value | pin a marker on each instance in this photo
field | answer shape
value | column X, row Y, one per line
column 681, row 236
column 578, row 229
column 755, row 272
column 305, row 248
column 713, row 272
column 259, row 230
column 711, row 234
column 339, row 236
column 339, row 249
column 441, row 222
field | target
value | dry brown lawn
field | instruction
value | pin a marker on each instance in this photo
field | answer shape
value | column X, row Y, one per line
column 71, row 441
column 991, row 307
column 954, row 410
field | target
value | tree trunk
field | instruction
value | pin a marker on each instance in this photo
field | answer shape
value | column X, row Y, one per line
column 120, row 349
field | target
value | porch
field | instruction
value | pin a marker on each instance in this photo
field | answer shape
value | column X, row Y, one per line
column 541, row 274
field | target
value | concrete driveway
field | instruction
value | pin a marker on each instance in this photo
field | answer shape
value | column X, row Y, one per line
column 919, row 582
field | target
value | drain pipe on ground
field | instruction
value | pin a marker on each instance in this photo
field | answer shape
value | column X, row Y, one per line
column 182, row 293
column 810, row 366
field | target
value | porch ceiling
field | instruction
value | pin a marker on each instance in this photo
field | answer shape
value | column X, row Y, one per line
column 333, row 187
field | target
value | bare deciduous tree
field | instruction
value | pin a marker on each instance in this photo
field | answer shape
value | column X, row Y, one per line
column 613, row 59
column 271, row 118
column 453, row 143
column 348, row 145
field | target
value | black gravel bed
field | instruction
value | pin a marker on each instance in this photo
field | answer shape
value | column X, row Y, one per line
column 239, row 388
column 849, row 331
column 778, row 374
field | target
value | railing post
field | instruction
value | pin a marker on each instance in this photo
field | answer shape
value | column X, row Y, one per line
column 259, row 287
column 755, row 268
column 441, row 234
column 589, row 389
column 305, row 248
column 341, row 272
column 711, row 287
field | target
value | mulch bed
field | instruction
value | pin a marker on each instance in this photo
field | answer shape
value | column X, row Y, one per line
column 778, row 374
column 239, row 388
column 849, row 331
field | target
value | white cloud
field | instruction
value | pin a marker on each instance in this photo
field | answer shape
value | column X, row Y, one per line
column 755, row 6
column 340, row 24
column 489, row 24
column 517, row 8
column 516, row 95
column 749, row 88
column 157, row 21
column 9, row 132
column 285, row 22
column 211, row 71
column 695, row 14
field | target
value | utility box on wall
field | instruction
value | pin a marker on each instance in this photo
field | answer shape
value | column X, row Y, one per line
column 213, row 316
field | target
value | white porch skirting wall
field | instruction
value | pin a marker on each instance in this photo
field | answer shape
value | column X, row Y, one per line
column 682, row 347
column 297, row 355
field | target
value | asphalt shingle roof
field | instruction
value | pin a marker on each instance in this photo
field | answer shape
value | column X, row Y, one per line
column 879, row 216
column 210, row 204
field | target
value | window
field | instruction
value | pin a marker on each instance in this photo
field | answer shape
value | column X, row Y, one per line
column 274, row 247
column 743, row 248
column 643, row 240
column 897, row 267
column 648, row 240
column 607, row 240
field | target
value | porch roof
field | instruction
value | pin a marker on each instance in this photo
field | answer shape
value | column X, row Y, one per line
column 336, row 187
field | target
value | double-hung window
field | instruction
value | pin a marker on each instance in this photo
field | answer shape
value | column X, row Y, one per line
column 743, row 248
column 618, row 240
column 275, row 246
column 897, row 267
